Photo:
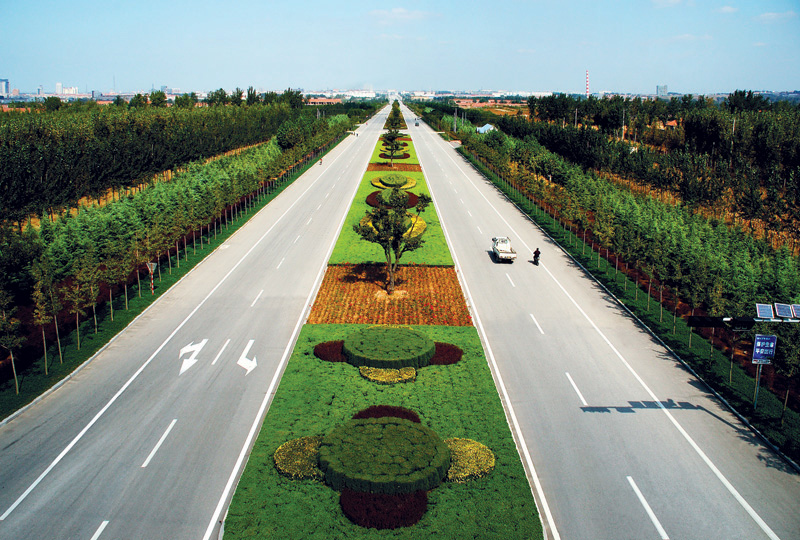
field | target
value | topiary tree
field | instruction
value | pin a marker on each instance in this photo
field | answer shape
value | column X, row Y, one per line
column 388, row 226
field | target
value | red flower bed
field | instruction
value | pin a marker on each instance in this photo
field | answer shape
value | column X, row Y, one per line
column 404, row 155
column 330, row 351
column 383, row 166
column 446, row 354
column 355, row 294
column 379, row 411
column 372, row 200
column 383, row 511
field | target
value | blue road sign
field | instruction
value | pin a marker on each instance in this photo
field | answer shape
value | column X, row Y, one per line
column 764, row 349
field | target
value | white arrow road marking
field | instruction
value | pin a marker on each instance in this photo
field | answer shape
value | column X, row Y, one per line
column 99, row 530
column 159, row 443
column 246, row 363
column 192, row 360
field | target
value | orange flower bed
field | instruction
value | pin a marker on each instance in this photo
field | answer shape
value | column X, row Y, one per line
column 386, row 166
column 356, row 294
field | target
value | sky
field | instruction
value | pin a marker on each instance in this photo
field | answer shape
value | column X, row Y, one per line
column 630, row 46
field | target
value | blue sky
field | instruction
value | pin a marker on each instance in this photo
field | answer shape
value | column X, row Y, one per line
column 693, row 46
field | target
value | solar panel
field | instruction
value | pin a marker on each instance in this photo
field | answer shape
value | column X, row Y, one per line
column 796, row 310
column 783, row 310
column 764, row 311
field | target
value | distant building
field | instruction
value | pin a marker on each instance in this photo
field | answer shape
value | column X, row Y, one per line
column 661, row 91
column 59, row 88
column 4, row 87
column 323, row 101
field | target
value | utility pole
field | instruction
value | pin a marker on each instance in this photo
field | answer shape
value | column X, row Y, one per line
column 623, row 124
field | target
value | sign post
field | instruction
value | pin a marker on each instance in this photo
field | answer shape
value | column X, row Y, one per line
column 151, row 266
column 763, row 353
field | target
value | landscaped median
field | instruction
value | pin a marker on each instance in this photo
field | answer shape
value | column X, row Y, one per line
column 386, row 423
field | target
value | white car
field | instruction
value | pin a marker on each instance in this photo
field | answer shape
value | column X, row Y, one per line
column 502, row 250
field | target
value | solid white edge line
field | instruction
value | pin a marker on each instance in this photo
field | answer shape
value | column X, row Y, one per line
column 255, row 428
column 138, row 372
column 220, row 352
column 575, row 387
column 99, row 530
column 508, row 408
column 649, row 510
column 258, row 296
column 537, row 323
column 731, row 489
column 509, row 280
column 159, row 443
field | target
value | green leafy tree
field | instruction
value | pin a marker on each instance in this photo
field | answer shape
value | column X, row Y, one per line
column 392, row 227
column 392, row 143
column 119, row 101
column 138, row 101
column 52, row 103
column 252, row 96
column 787, row 358
column 236, row 97
column 186, row 101
column 41, row 306
column 158, row 99
column 218, row 97
column 10, row 340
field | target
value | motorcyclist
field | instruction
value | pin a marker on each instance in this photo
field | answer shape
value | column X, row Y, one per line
column 536, row 256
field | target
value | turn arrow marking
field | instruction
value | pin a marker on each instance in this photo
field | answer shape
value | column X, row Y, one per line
column 246, row 363
column 192, row 360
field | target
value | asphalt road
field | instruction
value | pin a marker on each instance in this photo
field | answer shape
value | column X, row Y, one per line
column 620, row 441
column 148, row 439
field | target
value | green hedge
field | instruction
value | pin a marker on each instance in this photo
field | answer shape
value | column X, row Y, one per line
column 383, row 455
column 388, row 347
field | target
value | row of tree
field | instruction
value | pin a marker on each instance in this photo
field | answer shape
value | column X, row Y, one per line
column 60, row 269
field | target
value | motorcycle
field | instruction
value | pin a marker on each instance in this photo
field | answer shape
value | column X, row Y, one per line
column 536, row 257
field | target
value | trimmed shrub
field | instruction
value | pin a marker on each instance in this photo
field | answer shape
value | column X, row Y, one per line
column 374, row 199
column 383, row 511
column 468, row 459
column 330, row 351
column 298, row 458
column 383, row 455
column 388, row 347
column 446, row 354
column 380, row 411
column 388, row 376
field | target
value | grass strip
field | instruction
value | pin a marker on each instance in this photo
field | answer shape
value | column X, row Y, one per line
column 458, row 400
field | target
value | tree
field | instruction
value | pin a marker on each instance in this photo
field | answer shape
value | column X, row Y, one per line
column 41, row 309
column 787, row 358
column 186, row 101
column 236, row 97
column 252, row 96
column 392, row 227
column 391, row 140
column 119, row 101
column 52, row 103
column 158, row 99
column 9, row 331
column 218, row 97
column 138, row 101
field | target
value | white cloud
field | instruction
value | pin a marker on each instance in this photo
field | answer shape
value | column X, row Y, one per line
column 728, row 9
column 771, row 16
column 399, row 15
column 759, row 44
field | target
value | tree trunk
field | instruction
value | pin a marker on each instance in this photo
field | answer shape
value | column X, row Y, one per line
column 78, row 330
column 126, row 294
column 158, row 265
column 177, row 254
column 44, row 346
column 94, row 314
column 111, row 303
column 14, row 369
column 58, row 340
column 138, row 281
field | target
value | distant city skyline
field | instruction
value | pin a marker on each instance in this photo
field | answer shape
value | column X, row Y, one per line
column 628, row 46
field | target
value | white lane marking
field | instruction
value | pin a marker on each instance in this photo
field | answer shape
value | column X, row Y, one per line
column 309, row 220
column 258, row 296
column 138, row 372
column 159, row 443
column 511, row 415
column 509, row 280
column 296, row 239
column 537, row 323
column 275, row 378
column 462, row 201
column 327, row 194
column 280, row 263
column 320, row 206
column 470, row 213
column 479, row 229
column 575, row 386
column 732, row 490
column 99, row 530
column 220, row 352
column 649, row 510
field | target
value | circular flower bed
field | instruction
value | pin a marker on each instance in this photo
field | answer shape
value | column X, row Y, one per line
column 383, row 455
column 374, row 199
column 330, row 351
column 388, row 376
column 446, row 354
column 404, row 155
column 393, row 180
column 383, row 511
column 388, row 347
column 298, row 458
column 379, row 411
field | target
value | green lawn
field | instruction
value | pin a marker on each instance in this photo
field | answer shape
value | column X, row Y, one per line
column 350, row 248
column 459, row 400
